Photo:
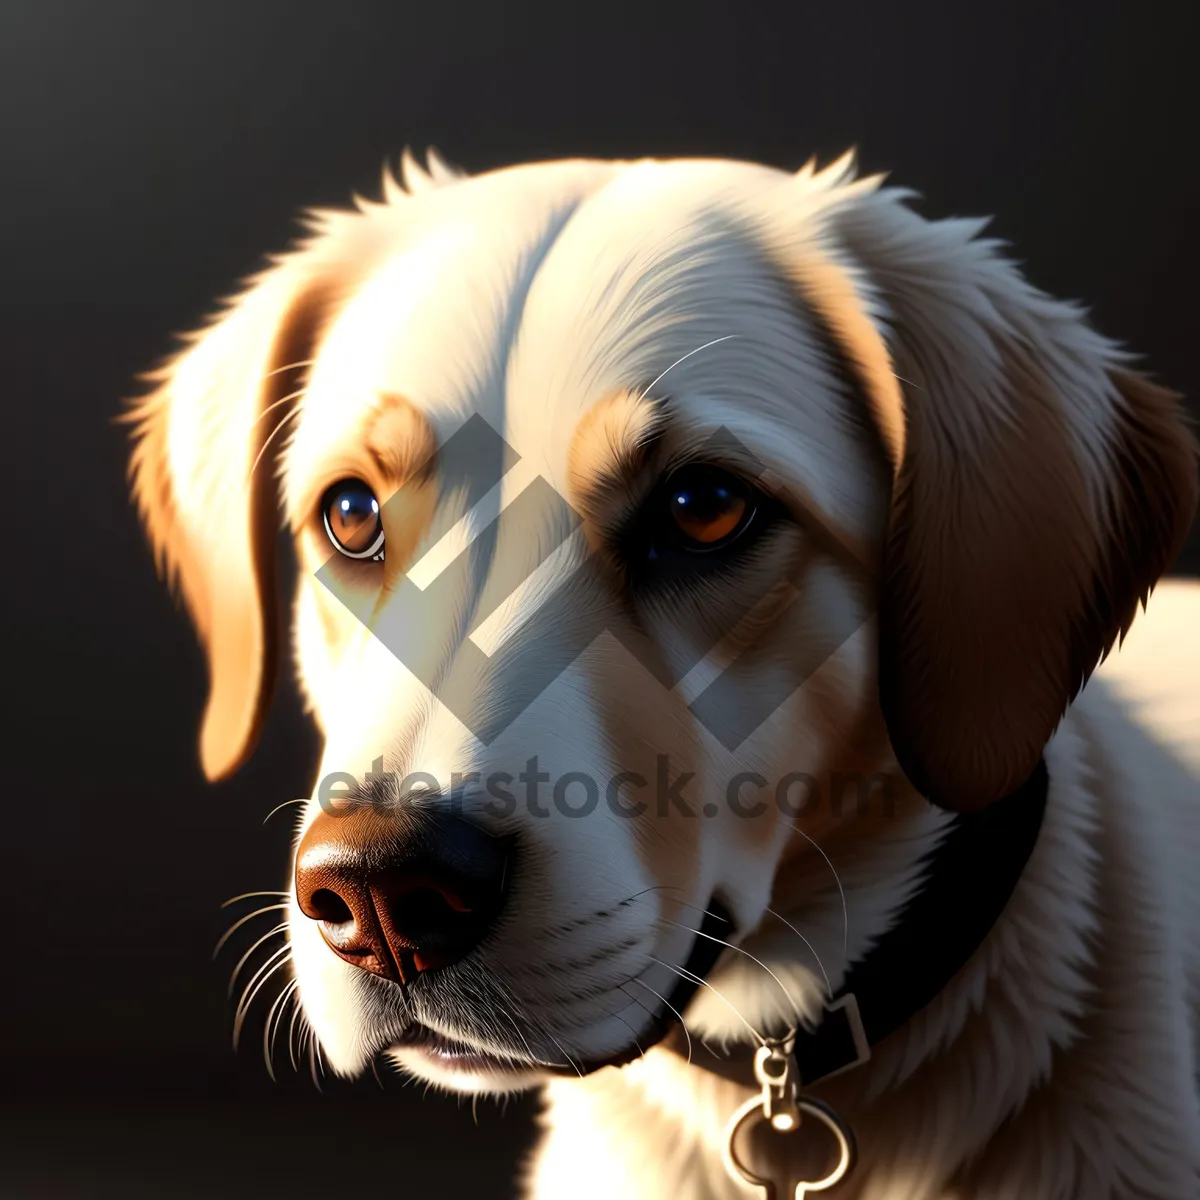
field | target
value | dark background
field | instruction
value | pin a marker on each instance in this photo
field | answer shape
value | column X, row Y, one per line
column 150, row 154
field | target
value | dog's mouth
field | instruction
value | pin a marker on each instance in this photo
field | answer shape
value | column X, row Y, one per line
column 450, row 1055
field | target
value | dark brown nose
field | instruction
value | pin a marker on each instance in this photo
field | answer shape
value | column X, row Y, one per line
column 398, row 895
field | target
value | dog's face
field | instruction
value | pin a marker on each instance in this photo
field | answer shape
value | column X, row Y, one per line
column 623, row 495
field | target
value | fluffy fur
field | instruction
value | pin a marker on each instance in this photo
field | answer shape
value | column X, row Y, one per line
column 980, row 491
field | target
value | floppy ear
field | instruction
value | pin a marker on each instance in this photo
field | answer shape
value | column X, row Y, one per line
column 1040, row 487
column 203, row 475
column 207, row 442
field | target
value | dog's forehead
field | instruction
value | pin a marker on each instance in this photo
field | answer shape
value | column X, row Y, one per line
column 430, row 318
column 530, row 295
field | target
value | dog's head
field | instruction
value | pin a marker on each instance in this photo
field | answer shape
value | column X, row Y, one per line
column 633, row 503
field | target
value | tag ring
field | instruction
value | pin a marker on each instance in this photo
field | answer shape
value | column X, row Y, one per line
column 753, row 1108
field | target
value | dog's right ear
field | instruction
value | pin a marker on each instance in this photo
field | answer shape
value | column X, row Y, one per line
column 1040, row 486
column 203, row 473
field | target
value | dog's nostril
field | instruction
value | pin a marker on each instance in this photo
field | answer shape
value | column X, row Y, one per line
column 423, row 912
column 326, row 905
column 434, row 924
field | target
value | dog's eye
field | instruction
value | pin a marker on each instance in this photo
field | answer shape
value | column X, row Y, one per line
column 698, row 520
column 708, row 507
column 352, row 521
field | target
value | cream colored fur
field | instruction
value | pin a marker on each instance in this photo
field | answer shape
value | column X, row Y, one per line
column 976, row 482
column 1062, row 1062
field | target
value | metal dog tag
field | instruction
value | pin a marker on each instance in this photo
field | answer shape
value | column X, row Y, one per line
column 786, row 1145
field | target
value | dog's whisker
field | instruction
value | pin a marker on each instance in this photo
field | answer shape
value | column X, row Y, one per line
column 562, row 1050
column 297, row 1016
column 533, row 1058
column 545, row 1032
column 312, row 1059
column 498, row 1006
column 266, row 937
column 673, row 1009
column 250, row 895
column 908, row 381
column 628, row 998
column 841, row 891
column 242, row 921
column 507, row 994
column 280, row 807
column 641, row 1048
column 649, row 1012
column 632, row 1000
column 276, row 1009
column 260, row 976
column 594, row 1002
column 683, row 358
column 811, row 949
column 684, row 973
column 292, row 1002
column 282, row 400
column 740, row 950
column 303, row 362
column 291, row 416
column 281, row 958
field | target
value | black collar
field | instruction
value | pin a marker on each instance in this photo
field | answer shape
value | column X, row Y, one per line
column 971, row 875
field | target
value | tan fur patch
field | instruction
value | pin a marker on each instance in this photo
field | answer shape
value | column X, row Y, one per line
column 608, row 449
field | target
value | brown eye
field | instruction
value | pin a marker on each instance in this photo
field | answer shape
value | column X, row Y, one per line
column 352, row 522
column 709, row 507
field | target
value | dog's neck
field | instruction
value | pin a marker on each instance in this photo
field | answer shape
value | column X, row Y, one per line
column 968, row 878
column 917, row 1081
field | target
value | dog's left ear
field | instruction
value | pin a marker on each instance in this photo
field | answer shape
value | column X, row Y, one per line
column 1040, row 486
column 203, row 473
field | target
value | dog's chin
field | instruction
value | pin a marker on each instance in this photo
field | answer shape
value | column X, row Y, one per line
column 458, row 1067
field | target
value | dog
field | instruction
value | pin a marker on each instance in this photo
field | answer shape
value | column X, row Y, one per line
column 637, row 507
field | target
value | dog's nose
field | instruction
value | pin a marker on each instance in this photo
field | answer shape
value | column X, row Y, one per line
column 400, row 895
